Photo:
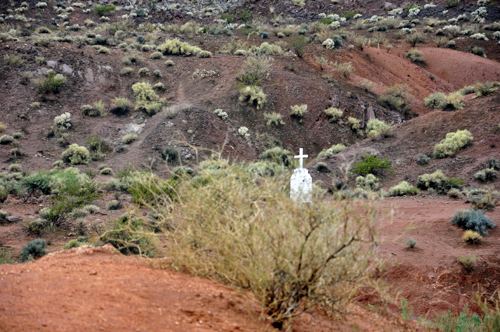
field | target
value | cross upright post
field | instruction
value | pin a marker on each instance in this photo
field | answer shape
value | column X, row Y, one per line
column 301, row 157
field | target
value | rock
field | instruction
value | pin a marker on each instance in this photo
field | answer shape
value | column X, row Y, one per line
column 67, row 69
column 13, row 219
column 133, row 128
column 52, row 64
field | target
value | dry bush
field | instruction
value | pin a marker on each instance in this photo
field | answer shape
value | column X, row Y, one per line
column 232, row 228
column 255, row 69
column 472, row 237
column 274, row 118
column 397, row 97
column 345, row 68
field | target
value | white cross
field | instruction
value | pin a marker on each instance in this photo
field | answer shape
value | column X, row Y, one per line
column 301, row 157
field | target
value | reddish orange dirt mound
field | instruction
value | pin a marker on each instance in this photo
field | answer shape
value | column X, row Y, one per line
column 460, row 68
column 89, row 289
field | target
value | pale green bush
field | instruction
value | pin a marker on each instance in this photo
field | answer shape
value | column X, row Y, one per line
column 330, row 152
column 353, row 123
column 298, row 110
column 453, row 143
column 274, row 118
column 253, row 95
column 403, row 188
column 175, row 47
column 144, row 92
column 334, row 114
column 376, row 127
column 368, row 182
column 129, row 138
column 436, row 101
column 76, row 155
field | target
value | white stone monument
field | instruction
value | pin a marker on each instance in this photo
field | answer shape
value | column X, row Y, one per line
column 301, row 182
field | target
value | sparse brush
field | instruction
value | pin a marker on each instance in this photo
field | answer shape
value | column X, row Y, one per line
column 255, row 69
column 298, row 110
column 485, row 202
column 274, row 118
column 455, row 193
column 397, row 97
column 345, row 68
column 454, row 101
column 15, row 168
column 453, row 143
column 415, row 56
column 334, row 114
column 171, row 155
column 415, row 38
column 129, row 138
column 468, row 262
column 435, row 101
column 144, row 93
column 253, row 95
column 322, row 62
column 403, row 188
column 127, row 71
column 76, row 155
column 472, row 237
column 376, row 127
column 368, row 182
column 332, row 151
column 486, row 175
column 114, row 205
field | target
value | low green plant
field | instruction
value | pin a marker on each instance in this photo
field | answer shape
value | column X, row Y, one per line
column 474, row 220
column 371, row 164
column 332, row 151
column 376, row 127
column 298, row 45
column 423, row 159
column 435, row 101
column 438, row 182
column 471, row 237
column 76, row 155
column 74, row 244
column 488, row 321
column 411, row 243
column 104, row 9
column 274, row 118
column 33, row 250
column 52, row 83
column 6, row 139
column 334, row 114
column 129, row 138
column 277, row 155
column 368, row 182
column 486, row 175
column 468, row 262
column 403, row 188
column 453, row 143
column 253, row 95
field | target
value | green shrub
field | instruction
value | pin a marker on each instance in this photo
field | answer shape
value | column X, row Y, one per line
column 127, row 71
column 414, row 38
column 33, row 250
column 439, row 182
column 370, row 182
column 144, row 93
column 6, row 139
column 371, row 164
column 129, row 138
column 171, row 155
column 415, row 56
column 353, row 123
column 486, row 175
column 76, row 155
column 454, row 101
column 474, row 220
column 274, row 118
column 277, row 155
column 156, row 56
column 333, row 150
column 376, row 127
column 423, row 159
column 114, row 205
column 52, row 84
column 5, row 257
column 131, row 236
column 17, row 135
column 485, row 202
column 453, row 143
column 472, row 237
column 121, row 106
column 411, row 243
column 403, row 188
column 253, row 95
column 454, row 193
column 175, row 47
column 334, row 114
column 74, row 244
column 435, row 101
column 255, row 70
column 104, row 9
column 298, row 45
column 397, row 97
